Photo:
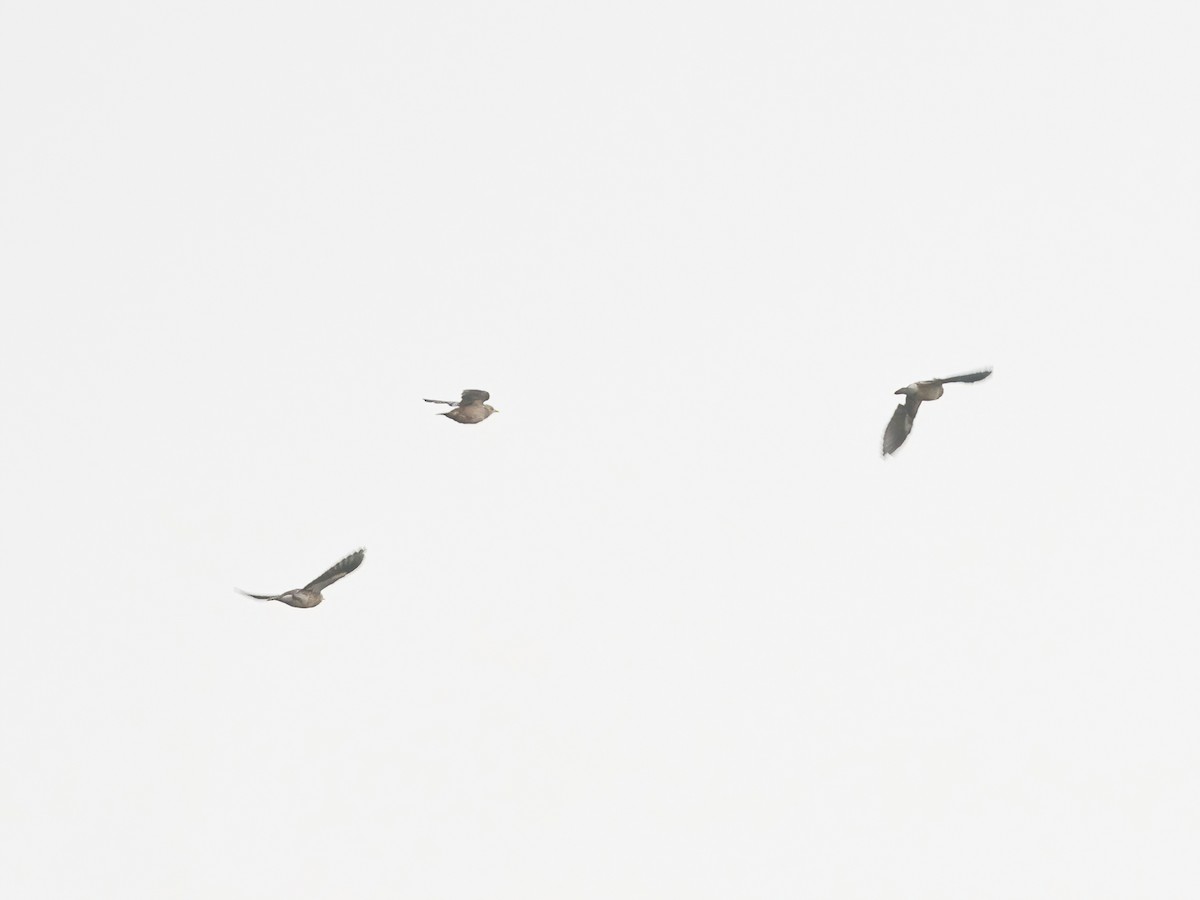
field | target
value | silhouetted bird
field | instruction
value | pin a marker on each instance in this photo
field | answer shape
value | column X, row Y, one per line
column 915, row 394
column 310, row 595
column 470, row 410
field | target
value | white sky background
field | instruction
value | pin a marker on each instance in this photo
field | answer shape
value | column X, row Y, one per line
column 667, row 626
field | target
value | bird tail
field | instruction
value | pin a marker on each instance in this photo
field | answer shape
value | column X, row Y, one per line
column 256, row 596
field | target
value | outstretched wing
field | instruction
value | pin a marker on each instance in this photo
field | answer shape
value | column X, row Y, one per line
column 447, row 402
column 900, row 425
column 967, row 379
column 341, row 570
column 474, row 398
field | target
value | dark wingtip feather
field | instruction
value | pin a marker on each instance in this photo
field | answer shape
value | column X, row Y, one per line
column 897, row 430
column 349, row 563
column 968, row 378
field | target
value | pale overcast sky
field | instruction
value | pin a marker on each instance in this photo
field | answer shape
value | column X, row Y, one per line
column 667, row 626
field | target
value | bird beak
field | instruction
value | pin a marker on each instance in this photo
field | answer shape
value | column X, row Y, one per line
column 901, row 391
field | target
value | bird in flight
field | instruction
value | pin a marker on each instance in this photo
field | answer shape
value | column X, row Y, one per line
column 471, row 409
column 914, row 395
column 310, row 595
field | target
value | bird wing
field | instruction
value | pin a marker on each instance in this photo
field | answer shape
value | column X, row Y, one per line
column 341, row 570
column 474, row 398
column 900, row 425
column 967, row 379
column 447, row 402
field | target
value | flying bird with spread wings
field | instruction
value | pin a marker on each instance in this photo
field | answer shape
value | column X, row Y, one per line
column 310, row 595
column 914, row 395
column 470, row 410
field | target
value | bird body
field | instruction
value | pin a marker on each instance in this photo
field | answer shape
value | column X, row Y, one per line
column 470, row 410
column 469, row 415
column 310, row 595
column 299, row 598
column 923, row 390
column 914, row 395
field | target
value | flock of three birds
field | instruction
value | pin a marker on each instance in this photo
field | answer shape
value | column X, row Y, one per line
column 473, row 408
